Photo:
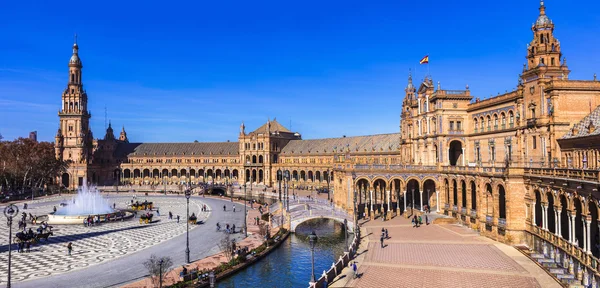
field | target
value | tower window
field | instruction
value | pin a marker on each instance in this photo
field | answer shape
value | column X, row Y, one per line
column 542, row 60
column 72, row 91
column 534, row 142
column 72, row 77
column 552, row 61
column 70, row 128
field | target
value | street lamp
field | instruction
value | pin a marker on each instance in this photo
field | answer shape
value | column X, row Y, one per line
column 279, row 176
column 312, row 238
column 346, row 235
column 245, row 216
column 211, row 279
column 160, row 273
column 187, row 227
column 227, row 185
column 10, row 211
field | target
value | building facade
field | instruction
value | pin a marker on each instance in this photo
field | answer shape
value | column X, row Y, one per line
column 518, row 166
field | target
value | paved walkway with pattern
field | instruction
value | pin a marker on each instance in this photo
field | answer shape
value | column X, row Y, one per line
column 96, row 245
column 438, row 256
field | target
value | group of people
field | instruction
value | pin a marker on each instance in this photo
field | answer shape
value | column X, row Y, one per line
column 417, row 221
column 228, row 229
column 24, row 246
column 91, row 220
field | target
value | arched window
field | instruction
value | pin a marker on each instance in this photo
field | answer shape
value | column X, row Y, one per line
column 503, row 117
column 495, row 121
column 511, row 119
column 72, row 77
column 475, row 124
column 489, row 123
column 481, row 123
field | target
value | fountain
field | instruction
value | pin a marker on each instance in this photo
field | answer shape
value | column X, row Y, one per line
column 88, row 201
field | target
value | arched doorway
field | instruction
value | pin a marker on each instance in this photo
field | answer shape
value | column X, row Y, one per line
column 501, row 202
column 396, row 186
column 538, row 209
column 463, row 187
column 260, row 176
column 379, row 195
column 473, row 196
column 429, row 195
column 455, row 153
column 363, row 201
column 594, row 228
column 578, row 222
column 65, row 180
column 564, row 218
column 247, row 175
column 454, row 193
column 412, row 195
column 551, row 217
column 253, row 176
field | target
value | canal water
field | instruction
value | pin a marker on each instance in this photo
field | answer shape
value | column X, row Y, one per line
column 290, row 264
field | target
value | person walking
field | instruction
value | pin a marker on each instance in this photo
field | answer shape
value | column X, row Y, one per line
column 177, row 218
column 233, row 208
column 420, row 220
column 355, row 269
column 157, row 212
column 70, row 248
column 386, row 234
column 224, row 208
column 28, row 247
column 415, row 221
column 381, row 239
column 426, row 220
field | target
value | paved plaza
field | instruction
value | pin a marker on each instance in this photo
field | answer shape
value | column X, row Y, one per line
column 439, row 256
column 112, row 246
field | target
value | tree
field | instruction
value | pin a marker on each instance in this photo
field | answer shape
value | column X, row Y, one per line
column 226, row 247
column 155, row 268
column 27, row 164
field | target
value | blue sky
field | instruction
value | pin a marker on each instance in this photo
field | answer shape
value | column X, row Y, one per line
column 182, row 71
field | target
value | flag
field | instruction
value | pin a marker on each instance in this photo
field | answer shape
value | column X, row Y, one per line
column 425, row 60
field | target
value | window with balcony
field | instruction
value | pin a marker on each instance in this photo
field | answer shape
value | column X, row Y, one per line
column 451, row 125
column 459, row 125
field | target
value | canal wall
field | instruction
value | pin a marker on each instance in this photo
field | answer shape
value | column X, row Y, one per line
column 337, row 267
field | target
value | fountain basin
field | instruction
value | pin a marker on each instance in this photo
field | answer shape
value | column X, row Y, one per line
column 78, row 219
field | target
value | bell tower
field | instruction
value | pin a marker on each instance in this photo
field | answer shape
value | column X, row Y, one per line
column 544, row 54
column 74, row 137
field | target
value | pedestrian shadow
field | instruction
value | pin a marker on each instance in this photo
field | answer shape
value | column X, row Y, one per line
column 75, row 237
column 363, row 252
column 366, row 236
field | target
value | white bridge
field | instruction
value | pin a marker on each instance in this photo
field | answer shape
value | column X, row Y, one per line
column 303, row 209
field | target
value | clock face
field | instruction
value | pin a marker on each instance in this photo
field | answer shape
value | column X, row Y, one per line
column 532, row 89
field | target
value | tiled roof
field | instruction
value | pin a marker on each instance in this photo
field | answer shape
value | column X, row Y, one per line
column 583, row 128
column 187, row 149
column 275, row 126
column 382, row 142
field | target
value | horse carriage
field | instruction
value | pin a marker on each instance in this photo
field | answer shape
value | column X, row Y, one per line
column 142, row 206
column 146, row 218
column 32, row 237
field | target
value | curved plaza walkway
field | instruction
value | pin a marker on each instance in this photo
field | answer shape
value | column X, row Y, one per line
column 112, row 254
column 439, row 256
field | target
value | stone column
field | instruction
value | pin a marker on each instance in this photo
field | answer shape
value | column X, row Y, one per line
column 555, row 222
column 570, row 228
column 405, row 200
column 534, row 219
column 544, row 221
column 558, row 221
column 463, row 156
column 589, row 236
column 437, row 199
column 389, row 210
column 421, row 198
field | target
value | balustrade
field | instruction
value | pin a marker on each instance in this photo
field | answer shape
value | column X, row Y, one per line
column 473, row 213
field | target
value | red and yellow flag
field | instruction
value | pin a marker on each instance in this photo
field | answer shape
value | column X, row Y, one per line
column 425, row 60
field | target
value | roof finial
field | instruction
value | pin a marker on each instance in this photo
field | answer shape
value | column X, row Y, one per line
column 75, row 39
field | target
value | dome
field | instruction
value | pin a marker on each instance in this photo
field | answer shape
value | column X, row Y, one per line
column 542, row 21
column 75, row 59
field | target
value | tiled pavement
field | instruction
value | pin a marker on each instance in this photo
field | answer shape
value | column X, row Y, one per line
column 439, row 256
column 92, row 245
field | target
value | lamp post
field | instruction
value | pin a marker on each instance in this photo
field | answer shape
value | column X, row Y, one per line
column 160, row 273
column 187, row 227
column 279, row 176
column 10, row 211
column 312, row 238
column 211, row 279
column 227, row 185
column 245, row 216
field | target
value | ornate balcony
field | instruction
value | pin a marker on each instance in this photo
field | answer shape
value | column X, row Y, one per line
column 463, row 210
column 489, row 219
column 455, row 208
